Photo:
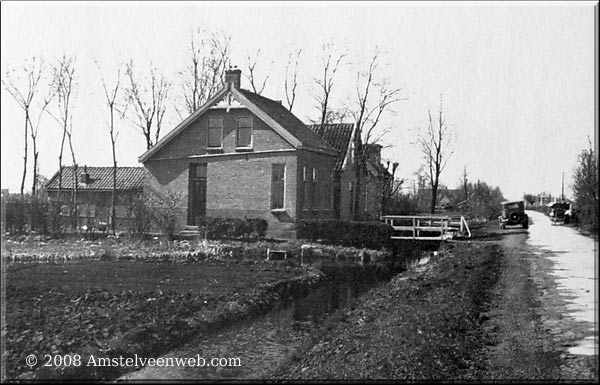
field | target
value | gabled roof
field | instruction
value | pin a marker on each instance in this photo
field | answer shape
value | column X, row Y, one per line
column 101, row 178
column 337, row 135
column 273, row 113
column 287, row 120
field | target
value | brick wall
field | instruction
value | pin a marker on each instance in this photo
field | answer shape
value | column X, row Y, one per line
column 315, row 203
column 241, row 187
column 168, row 176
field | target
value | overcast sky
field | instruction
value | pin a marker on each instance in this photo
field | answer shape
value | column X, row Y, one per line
column 517, row 79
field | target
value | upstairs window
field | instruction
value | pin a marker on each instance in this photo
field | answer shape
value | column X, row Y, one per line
column 215, row 132
column 244, row 132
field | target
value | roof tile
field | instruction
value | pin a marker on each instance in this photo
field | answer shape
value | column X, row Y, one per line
column 337, row 135
column 287, row 120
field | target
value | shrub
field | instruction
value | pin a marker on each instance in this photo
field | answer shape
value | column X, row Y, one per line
column 371, row 235
column 165, row 209
column 141, row 218
column 217, row 228
column 27, row 214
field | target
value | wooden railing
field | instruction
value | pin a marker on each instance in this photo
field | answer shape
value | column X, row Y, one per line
column 427, row 227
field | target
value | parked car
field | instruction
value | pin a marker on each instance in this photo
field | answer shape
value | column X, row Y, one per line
column 560, row 213
column 513, row 213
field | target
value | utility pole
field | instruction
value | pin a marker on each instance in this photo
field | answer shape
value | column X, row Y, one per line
column 562, row 191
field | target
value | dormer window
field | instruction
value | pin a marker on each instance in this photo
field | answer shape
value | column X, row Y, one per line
column 244, row 133
column 215, row 132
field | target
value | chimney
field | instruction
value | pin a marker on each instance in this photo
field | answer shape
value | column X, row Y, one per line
column 85, row 177
column 373, row 152
column 233, row 78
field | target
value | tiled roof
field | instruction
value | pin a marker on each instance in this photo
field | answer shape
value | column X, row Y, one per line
column 128, row 178
column 287, row 120
column 338, row 136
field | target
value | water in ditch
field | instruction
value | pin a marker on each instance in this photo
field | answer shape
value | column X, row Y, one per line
column 263, row 343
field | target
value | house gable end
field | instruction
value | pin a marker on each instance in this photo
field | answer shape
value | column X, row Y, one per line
column 181, row 126
column 224, row 100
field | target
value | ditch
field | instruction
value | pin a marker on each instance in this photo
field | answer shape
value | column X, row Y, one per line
column 263, row 343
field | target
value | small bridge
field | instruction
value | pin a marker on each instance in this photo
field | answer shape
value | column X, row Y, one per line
column 427, row 227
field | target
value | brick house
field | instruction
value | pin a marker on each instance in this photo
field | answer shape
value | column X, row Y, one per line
column 94, row 195
column 376, row 179
column 243, row 155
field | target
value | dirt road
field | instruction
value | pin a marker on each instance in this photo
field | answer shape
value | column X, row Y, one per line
column 529, row 322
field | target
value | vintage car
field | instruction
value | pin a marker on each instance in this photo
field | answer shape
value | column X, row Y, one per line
column 513, row 213
column 560, row 213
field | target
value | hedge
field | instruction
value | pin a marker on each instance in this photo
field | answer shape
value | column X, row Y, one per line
column 371, row 235
column 217, row 228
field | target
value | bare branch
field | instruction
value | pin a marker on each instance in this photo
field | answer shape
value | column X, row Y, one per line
column 325, row 83
column 251, row 75
column 291, row 84
column 149, row 103
column 208, row 60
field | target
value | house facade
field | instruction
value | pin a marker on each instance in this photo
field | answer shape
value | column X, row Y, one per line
column 374, row 177
column 94, row 195
column 242, row 155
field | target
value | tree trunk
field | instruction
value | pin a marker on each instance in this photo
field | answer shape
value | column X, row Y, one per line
column 35, row 162
column 25, row 156
column 113, row 225
column 434, row 188
column 74, row 198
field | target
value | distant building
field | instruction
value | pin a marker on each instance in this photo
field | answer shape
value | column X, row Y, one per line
column 375, row 179
column 94, row 195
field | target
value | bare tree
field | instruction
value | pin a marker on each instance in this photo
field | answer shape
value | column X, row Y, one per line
column 149, row 101
column 373, row 99
column 63, row 84
column 24, row 95
column 325, row 82
column 435, row 146
column 111, row 95
column 290, row 84
column 251, row 76
column 34, row 134
column 203, row 76
column 390, row 186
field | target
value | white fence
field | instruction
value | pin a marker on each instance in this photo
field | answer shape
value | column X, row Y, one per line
column 427, row 228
